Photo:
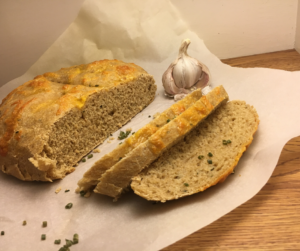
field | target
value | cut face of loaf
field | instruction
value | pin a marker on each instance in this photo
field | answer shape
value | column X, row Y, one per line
column 115, row 180
column 203, row 158
column 48, row 124
column 91, row 177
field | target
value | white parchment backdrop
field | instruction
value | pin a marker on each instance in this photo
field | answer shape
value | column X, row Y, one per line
column 147, row 33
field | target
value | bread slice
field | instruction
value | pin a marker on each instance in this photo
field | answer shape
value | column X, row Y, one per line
column 203, row 158
column 91, row 177
column 49, row 123
column 115, row 180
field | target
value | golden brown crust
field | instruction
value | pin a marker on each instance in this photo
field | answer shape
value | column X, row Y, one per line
column 28, row 112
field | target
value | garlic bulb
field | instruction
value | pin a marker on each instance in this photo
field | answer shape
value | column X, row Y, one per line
column 185, row 74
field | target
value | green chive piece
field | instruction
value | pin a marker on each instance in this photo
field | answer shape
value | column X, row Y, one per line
column 44, row 223
column 83, row 160
column 200, row 157
column 210, row 154
column 168, row 121
column 149, row 116
column 209, row 161
column 228, row 141
column 133, row 133
column 2, row 232
column 96, row 85
column 67, row 190
column 82, row 193
column 69, row 206
column 90, row 156
column 123, row 135
column 186, row 184
column 24, row 223
column 43, row 237
column 212, row 169
column 120, row 143
column 69, row 243
column 75, row 239
column 224, row 142
column 57, row 242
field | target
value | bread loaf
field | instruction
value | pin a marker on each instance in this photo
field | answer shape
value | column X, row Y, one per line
column 48, row 124
column 116, row 179
column 203, row 158
column 91, row 177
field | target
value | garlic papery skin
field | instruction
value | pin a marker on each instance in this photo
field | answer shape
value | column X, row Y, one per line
column 185, row 74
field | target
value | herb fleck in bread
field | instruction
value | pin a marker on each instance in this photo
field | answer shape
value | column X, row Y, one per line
column 91, row 177
column 115, row 180
column 204, row 158
column 48, row 124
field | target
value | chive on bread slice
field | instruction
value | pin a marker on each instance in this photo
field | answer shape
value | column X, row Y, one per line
column 117, row 179
column 203, row 158
column 91, row 176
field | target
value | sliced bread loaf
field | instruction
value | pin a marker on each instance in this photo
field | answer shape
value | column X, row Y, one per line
column 117, row 178
column 203, row 158
column 91, row 177
column 48, row 124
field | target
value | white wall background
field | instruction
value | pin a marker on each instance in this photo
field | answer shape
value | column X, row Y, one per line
column 229, row 28
column 297, row 38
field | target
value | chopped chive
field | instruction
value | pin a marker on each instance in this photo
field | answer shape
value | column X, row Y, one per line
column 149, row 116
column 210, row 154
column 44, row 223
column 120, row 143
column 43, row 237
column 123, row 135
column 2, row 232
column 24, row 223
column 69, row 243
column 69, row 205
column 212, row 169
column 228, row 141
column 224, row 142
column 133, row 133
column 82, row 193
column 57, row 241
column 96, row 85
column 90, row 156
column 168, row 121
column 200, row 157
column 209, row 161
column 67, row 190
column 186, row 184
column 111, row 135
column 83, row 160
column 75, row 239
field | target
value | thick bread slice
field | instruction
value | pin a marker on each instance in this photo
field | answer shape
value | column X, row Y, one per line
column 49, row 123
column 91, row 177
column 116, row 179
column 182, row 170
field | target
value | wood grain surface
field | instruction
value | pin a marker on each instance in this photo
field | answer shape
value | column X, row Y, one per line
column 271, row 219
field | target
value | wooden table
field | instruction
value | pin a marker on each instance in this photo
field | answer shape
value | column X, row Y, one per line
column 271, row 219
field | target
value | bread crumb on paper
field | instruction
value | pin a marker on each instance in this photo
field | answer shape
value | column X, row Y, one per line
column 57, row 190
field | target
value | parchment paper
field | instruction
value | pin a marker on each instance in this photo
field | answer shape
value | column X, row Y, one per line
column 147, row 33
